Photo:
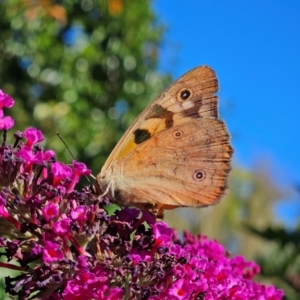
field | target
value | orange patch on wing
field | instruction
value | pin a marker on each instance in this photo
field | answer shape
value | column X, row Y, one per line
column 126, row 148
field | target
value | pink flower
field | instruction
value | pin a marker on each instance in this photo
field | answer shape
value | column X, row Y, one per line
column 162, row 232
column 52, row 252
column 62, row 227
column 79, row 213
column 180, row 290
column 32, row 136
column 140, row 256
column 50, row 211
column 162, row 235
column 29, row 157
column 245, row 268
column 78, row 170
column 115, row 294
column 86, row 277
column 60, row 171
column 5, row 122
column 83, row 261
column 5, row 100
column 3, row 212
column 271, row 293
column 48, row 155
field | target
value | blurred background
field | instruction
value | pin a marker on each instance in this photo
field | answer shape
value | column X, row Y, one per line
column 87, row 68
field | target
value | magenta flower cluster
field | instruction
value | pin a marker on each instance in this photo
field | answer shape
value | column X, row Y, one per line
column 6, row 123
column 66, row 245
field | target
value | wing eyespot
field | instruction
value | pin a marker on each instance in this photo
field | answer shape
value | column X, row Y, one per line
column 184, row 94
column 177, row 134
column 199, row 175
column 141, row 135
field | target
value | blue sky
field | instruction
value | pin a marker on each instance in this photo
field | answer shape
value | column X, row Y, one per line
column 254, row 46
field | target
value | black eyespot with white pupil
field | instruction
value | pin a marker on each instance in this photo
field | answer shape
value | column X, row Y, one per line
column 198, row 175
column 185, row 94
column 177, row 134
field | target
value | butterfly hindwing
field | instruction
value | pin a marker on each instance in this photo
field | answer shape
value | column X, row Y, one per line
column 186, row 165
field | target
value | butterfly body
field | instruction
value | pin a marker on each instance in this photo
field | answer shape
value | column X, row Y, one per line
column 177, row 152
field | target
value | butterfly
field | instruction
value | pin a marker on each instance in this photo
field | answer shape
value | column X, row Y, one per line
column 176, row 153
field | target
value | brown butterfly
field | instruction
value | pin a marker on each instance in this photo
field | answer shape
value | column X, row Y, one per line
column 176, row 153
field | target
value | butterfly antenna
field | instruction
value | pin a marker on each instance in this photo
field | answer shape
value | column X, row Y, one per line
column 61, row 138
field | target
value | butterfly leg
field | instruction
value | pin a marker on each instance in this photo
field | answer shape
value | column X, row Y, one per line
column 158, row 211
column 95, row 188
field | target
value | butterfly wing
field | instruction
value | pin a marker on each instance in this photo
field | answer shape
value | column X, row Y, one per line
column 186, row 165
column 177, row 152
column 191, row 96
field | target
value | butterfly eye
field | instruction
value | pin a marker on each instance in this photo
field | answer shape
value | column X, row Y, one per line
column 184, row 94
column 177, row 134
column 198, row 175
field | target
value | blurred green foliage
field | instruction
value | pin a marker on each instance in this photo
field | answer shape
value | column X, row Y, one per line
column 281, row 265
column 82, row 68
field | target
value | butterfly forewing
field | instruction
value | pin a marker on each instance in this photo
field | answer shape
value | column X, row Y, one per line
column 169, row 109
